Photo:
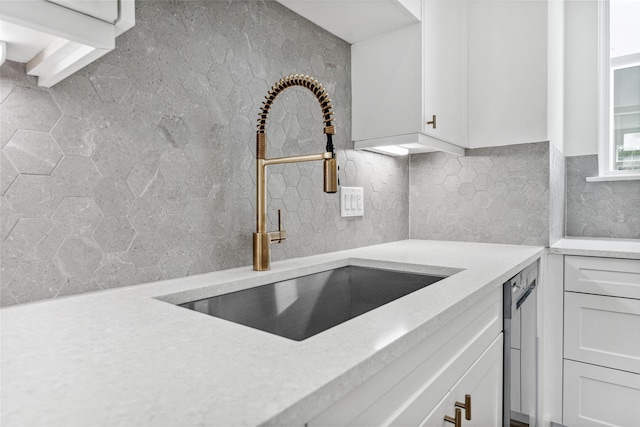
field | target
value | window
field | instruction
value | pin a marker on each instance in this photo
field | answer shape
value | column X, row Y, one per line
column 619, row 156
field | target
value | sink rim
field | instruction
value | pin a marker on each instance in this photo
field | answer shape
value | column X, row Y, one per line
column 304, row 306
column 276, row 274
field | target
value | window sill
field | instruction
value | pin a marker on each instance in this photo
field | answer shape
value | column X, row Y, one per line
column 627, row 177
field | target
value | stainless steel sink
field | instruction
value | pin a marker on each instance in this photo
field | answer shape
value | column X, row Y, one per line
column 305, row 306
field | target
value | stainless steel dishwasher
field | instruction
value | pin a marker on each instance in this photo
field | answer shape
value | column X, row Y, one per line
column 520, row 383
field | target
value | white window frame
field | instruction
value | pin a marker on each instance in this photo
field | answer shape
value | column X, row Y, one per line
column 606, row 141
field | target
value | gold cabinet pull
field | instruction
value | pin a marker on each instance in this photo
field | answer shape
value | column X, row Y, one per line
column 457, row 420
column 432, row 121
column 466, row 406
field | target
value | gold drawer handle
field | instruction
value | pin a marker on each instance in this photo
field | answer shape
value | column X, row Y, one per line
column 432, row 121
column 466, row 406
column 457, row 421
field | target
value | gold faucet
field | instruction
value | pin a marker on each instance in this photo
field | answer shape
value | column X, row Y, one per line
column 261, row 238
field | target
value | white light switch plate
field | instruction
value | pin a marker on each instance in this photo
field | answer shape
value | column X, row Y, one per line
column 351, row 201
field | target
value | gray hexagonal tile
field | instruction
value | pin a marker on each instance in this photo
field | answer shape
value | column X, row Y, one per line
column 77, row 216
column 111, row 83
column 305, row 211
column 451, row 167
column 114, row 234
column 146, row 215
column 200, row 213
column 8, row 173
column 113, row 197
column 113, row 272
column 174, row 130
column 32, row 109
column 452, row 183
column 241, row 129
column 482, row 165
column 7, row 127
column 113, row 158
column 197, row 87
column 78, row 257
column 199, row 182
column 240, row 70
column 145, row 180
column 276, row 186
column 36, row 280
column 175, row 263
column 438, row 176
column 198, row 57
column 76, row 176
column 291, row 199
column 467, row 190
column 146, row 249
column 34, row 239
column 76, row 136
column 350, row 172
column 34, row 196
column 305, row 186
column 33, row 153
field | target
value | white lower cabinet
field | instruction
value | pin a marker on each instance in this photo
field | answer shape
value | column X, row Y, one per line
column 598, row 396
column 419, row 388
column 601, row 380
column 483, row 383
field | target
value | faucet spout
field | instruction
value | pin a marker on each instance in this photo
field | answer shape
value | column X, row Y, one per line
column 261, row 238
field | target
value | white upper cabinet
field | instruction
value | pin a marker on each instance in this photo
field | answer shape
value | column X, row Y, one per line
column 479, row 67
column 358, row 20
column 507, row 72
column 104, row 10
column 402, row 79
column 56, row 38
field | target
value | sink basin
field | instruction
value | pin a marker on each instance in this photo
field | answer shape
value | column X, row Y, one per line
column 305, row 306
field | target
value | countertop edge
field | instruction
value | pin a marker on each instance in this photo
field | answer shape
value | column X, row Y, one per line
column 595, row 247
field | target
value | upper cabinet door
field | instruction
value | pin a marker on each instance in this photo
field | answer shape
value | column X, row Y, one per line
column 401, row 79
column 446, row 70
column 104, row 10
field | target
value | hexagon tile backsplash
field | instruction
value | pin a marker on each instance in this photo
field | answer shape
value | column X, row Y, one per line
column 141, row 166
column 494, row 195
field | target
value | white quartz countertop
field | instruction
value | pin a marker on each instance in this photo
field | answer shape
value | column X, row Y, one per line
column 130, row 357
column 608, row 248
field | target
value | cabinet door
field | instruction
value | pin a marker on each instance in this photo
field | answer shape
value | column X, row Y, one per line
column 483, row 381
column 445, row 64
column 602, row 330
column 597, row 396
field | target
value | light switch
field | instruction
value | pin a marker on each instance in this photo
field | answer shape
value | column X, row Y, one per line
column 351, row 201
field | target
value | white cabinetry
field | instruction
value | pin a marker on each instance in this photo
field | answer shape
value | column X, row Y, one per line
column 357, row 20
column 104, row 10
column 401, row 79
column 422, row 386
column 601, row 385
column 483, row 381
column 57, row 38
column 479, row 67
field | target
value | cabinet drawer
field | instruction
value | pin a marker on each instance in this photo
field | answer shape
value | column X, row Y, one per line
column 602, row 330
column 602, row 276
column 597, row 396
column 412, row 385
column 483, row 382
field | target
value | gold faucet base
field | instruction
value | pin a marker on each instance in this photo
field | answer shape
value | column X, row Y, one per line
column 261, row 252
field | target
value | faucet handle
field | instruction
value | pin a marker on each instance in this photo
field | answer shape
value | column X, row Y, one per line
column 280, row 235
